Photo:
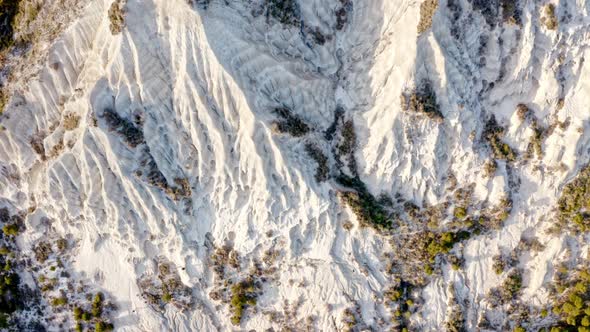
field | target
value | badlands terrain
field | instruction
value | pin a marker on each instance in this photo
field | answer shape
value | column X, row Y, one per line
column 294, row 165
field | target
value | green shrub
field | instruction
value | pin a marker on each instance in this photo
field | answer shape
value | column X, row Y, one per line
column 103, row 327
column 59, row 301
column 97, row 304
column 285, row 11
column 320, row 158
column 365, row 206
column 8, row 12
column 243, row 295
column 62, row 244
column 290, row 123
column 422, row 100
column 460, row 212
column 77, row 313
column 493, row 133
column 10, row 230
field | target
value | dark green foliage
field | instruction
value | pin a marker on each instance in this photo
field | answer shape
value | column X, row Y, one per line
column 401, row 296
column 512, row 285
column 348, row 142
column 460, row 212
column 42, row 251
column 572, row 303
column 97, row 304
column 132, row 135
column 166, row 297
column 77, row 313
column 103, row 327
column 8, row 12
column 536, row 143
column 575, row 201
column 364, row 205
column 493, row 133
column 59, row 301
column 10, row 229
column 499, row 264
column 10, row 293
column 62, row 244
column 290, row 123
column 423, row 100
column 443, row 243
column 285, row 11
column 244, row 294
column 316, row 154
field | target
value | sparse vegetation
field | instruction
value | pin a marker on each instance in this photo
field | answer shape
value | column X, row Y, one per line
column 460, row 213
column 167, row 288
column 510, row 12
column 523, row 112
column 510, row 288
column 536, row 143
column 3, row 100
column 490, row 167
column 42, row 251
column 342, row 14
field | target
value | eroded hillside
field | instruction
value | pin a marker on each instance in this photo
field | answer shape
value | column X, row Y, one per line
column 214, row 165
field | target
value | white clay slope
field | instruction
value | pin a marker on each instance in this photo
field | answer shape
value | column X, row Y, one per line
column 204, row 81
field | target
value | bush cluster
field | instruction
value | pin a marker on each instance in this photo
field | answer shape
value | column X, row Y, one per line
column 574, row 202
column 116, row 17
column 322, row 172
column 368, row 210
column 8, row 12
column 550, row 19
column 285, row 11
column 493, row 133
column 422, row 100
column 573, row 308
column 244, row 294
column 290, row 123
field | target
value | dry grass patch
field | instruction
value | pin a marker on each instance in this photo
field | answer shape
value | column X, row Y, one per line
column 550, row 19
column 117, row 17
column 71, row 121
column 427, row 10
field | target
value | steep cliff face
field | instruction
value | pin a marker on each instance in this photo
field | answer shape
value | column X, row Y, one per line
column 307, row 165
